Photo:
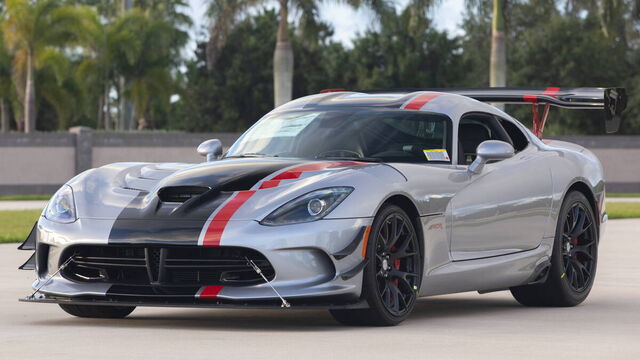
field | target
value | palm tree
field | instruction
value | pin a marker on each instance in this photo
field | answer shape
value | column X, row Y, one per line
column 159, row 29
column 29, row 28
column 107, row 44
column 498, row 62
column 5, row 88
column 147, row 61
column 225, row 14
column 59, row 86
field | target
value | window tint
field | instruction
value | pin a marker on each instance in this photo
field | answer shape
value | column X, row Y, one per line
column 520, row 141
column 474, row 129
column 389, row 135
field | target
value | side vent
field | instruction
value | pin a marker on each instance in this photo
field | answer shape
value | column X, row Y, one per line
column 181, row 194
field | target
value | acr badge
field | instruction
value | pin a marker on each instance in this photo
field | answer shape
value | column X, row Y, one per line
column 436, row 154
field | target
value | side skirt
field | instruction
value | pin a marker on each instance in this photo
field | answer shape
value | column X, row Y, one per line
column 499, row 272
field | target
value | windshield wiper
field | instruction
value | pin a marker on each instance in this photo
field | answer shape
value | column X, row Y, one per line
column 352, row 158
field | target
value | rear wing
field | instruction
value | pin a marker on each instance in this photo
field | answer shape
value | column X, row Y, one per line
column 612, row 100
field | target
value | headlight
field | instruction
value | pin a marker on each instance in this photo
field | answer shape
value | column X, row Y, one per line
column 308, row 207
column 61, row 207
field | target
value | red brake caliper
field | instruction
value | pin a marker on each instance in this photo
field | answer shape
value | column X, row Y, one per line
column 396, row 265
column 574, row 242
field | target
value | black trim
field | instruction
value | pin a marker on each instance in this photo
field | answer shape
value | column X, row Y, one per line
column 323, row 302
column 612, row 100
column 540, row 273
column 353, row 245
column 158, row 270
column 29, row 264
column 30, row 242
column 354, row 270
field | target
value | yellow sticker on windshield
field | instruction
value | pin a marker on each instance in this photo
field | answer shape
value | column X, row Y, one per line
column 436, row 154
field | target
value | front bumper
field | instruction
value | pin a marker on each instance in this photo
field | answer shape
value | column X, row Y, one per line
column 316, row 264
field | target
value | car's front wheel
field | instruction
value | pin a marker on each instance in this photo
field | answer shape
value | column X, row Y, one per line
column 393, row 272
column 573, row 261
column 94, row 311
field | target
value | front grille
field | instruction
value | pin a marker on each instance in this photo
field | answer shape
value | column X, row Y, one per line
column 170, row 266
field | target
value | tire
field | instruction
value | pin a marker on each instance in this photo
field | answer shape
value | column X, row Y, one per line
column 96, row 311
column 573, row 260
column 392, row 275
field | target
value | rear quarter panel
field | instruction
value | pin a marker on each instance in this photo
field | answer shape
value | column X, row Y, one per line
column 570, row 165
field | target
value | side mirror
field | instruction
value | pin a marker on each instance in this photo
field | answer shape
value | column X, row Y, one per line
column 490, row 150
column 212, row 149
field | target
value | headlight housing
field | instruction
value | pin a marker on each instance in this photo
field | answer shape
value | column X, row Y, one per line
column 62, row 207
column 308, row 207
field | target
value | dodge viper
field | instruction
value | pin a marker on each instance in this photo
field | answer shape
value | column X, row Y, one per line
column 358, row 202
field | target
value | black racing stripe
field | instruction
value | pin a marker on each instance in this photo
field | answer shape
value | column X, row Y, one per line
column 153, row 222
column 148, row 220
column 229, row 174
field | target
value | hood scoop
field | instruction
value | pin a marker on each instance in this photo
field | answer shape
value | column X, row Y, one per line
column 180, row 194
column 195, row 192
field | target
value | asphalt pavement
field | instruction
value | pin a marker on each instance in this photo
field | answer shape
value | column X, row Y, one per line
column 461, row 326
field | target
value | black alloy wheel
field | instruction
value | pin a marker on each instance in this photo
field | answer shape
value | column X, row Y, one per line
column 392, row 276
column 578, row 244
column 573, row 260
column 397, row 260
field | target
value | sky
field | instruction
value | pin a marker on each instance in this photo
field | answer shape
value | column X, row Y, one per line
column 347, row 22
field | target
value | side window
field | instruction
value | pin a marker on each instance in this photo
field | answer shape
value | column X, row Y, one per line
column 475, row 128
column 519, row 139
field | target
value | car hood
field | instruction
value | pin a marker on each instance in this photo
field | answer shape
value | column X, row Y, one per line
column 166, row 192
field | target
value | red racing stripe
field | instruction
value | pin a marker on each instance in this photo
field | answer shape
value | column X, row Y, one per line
column 268, row 184
column 219, row 222
column 418, row 102
column 216, row 226
column 210, row 292
column 296, row 172
column 551, row 91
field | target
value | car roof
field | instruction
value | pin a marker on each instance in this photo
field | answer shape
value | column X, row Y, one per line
column 452, row 105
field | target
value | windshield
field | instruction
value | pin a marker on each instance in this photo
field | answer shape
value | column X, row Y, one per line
column 367, row 134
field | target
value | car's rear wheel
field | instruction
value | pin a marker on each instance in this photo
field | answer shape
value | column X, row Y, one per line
column 573, row 261
column 393, row 272
column 94, row 311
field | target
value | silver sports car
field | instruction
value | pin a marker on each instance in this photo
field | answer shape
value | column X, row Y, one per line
column 357, row 202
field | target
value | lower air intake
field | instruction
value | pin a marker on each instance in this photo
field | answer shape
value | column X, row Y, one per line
column 165, row 266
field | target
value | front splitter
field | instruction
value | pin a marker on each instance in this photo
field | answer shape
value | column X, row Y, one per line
column 301, row 304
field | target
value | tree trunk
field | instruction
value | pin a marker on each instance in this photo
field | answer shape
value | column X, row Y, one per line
column 125, row 121
column 283, row 60
column 5, row 125
column 498, row 71
column 30, row 98
column 100, row 119
column 126, row 108
column 107, row 108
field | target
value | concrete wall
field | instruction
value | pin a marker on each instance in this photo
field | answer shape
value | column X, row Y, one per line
column 39, row 163
column 620, row 157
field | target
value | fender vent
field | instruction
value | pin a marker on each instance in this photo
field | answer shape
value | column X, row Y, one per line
column 181, row 194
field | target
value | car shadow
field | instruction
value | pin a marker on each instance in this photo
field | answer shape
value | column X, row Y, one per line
column 429, row 309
